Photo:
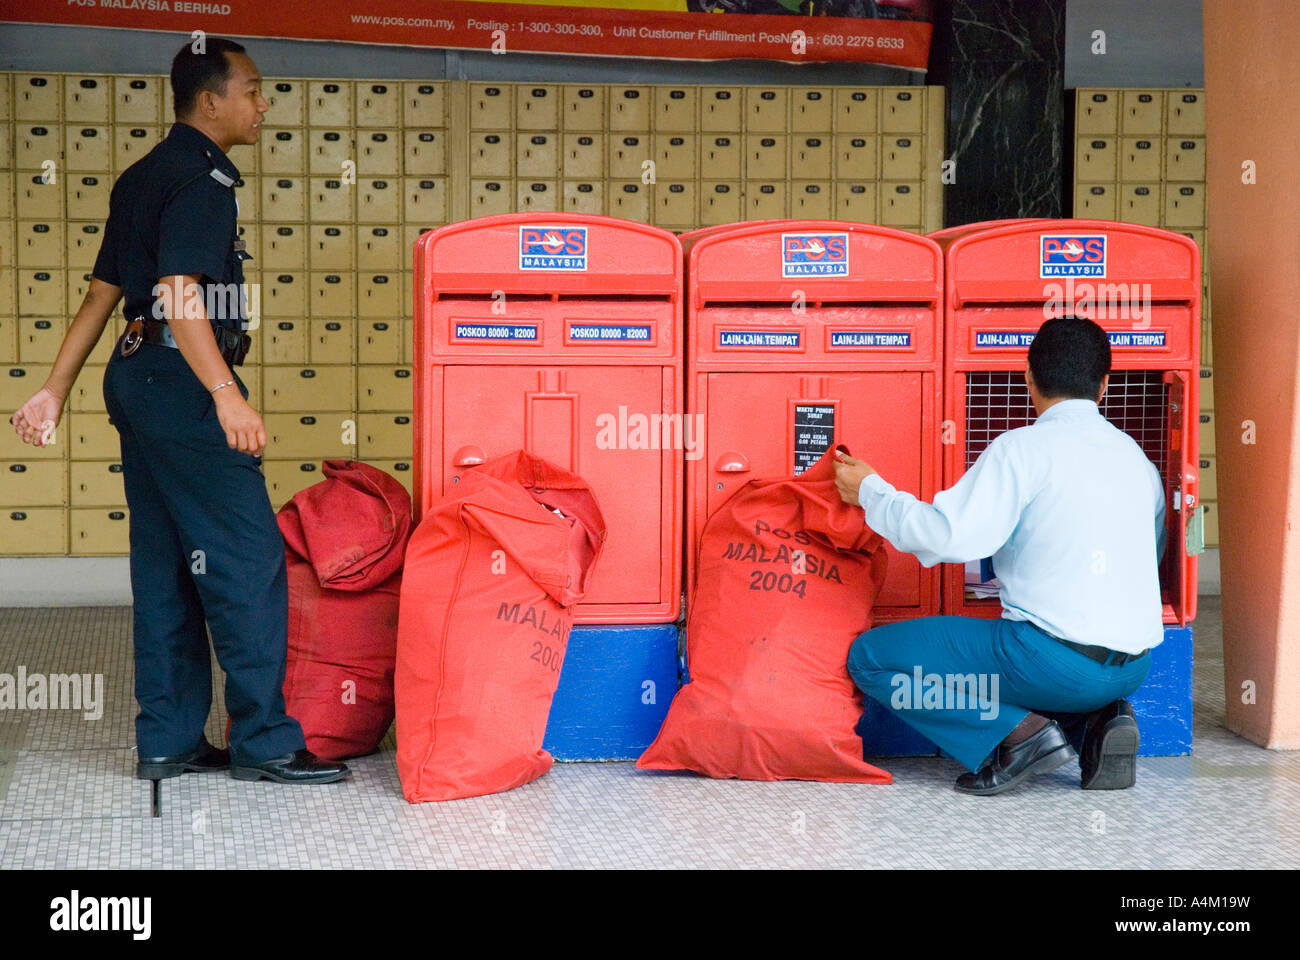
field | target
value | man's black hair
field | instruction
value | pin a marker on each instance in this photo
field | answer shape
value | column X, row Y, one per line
column 1068, row 358
column 193, row 72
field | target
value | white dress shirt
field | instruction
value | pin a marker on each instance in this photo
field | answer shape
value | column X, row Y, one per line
column 1072, row 513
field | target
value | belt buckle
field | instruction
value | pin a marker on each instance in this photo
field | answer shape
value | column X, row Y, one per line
column 133, row 337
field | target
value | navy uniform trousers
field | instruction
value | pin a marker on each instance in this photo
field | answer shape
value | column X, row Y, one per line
column 204, row 546
column 1033, row 672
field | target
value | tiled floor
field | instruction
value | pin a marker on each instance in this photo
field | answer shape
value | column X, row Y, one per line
column 68, row 799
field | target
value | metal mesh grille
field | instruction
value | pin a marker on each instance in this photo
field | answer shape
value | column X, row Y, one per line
column 1136, row 401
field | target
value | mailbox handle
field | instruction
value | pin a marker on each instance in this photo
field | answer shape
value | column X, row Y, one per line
column 469, row 456
column 1191, row 486
column 731, row 462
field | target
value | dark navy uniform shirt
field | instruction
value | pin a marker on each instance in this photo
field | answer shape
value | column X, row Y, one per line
column 169, row 215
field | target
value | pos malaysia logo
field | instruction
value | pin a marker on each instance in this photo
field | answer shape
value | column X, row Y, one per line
column 552, row 248
column 1066, row 255
column 814, row 254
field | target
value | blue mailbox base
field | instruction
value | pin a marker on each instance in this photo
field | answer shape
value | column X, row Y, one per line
column 619, row 680
column 614, row 691
column 1163, row 705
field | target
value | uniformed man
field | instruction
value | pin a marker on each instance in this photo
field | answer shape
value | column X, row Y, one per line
column 204, row 539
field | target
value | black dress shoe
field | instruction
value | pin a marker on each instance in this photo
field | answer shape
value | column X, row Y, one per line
column 204, row 759
column 1008, row 765
column 300, row 767
column 1110, row 746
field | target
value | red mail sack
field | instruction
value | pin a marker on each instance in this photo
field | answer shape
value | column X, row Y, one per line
column 786, row 579
column 344, row 538
column 492, row 574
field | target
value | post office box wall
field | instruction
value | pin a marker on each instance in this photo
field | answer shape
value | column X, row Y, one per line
column 378, row 103
column 536, row 195
column 583, row 107
column 329, row 103
column 1095, row 201
column 1097, row 112
column 424, row 104
column 675, row 108
column 141, row 100
column 491, row 106
column 86, row 99
column 902, row 111
column 380, row 248
column 1185, row 113
column 537, row 107
column 34, row 482
column 349, row 172
column 329, row 152
column 287, row 100
column 37, row 96
column 629, row 108
column 583, row 196
column 87, row 147
column 1142, row 112
column 812, row 110
column 424, row 152
column 88, row 195
column 282, row 150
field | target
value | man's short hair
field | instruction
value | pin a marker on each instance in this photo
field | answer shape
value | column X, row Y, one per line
column 193, row 72
column 1068, row 358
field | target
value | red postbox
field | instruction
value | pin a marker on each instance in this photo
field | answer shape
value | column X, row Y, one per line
column 804, row 334
column 1143, row 285
column 561, row 335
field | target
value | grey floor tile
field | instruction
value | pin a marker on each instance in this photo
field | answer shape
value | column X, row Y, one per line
column 68, row 798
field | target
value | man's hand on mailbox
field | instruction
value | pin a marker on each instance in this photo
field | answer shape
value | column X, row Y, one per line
column 849, row 474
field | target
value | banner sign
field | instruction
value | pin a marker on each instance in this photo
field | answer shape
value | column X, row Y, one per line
column 892, row 32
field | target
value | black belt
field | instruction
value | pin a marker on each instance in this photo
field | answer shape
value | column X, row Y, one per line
column 1103, row 655
column 232, row 344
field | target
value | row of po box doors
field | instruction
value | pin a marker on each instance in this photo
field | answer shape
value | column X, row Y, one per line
column 668, row 371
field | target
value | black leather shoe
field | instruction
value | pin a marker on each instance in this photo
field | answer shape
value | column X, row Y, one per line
column 1008, row 765
column 1110, row 747
column 300, row 767
column 205, row 759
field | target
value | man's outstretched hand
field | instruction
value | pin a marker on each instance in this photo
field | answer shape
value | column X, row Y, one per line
column 849, row 474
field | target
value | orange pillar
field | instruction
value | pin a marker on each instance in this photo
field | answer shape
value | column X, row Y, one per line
column 1252, row 83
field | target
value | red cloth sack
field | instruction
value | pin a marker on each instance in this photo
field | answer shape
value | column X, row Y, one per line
column 344, row 538
column 786, row 579
column 492, row 574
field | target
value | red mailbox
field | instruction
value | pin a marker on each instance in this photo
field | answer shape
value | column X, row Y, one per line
column 561, row 335
column 804, row 334
column 1143, row 285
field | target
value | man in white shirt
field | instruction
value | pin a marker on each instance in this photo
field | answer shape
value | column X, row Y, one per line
column 1072, row 512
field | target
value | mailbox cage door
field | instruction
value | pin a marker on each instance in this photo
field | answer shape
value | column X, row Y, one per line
column 1145, row 404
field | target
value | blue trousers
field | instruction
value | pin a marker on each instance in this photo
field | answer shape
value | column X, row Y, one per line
column 966, row 682
column 205, row 546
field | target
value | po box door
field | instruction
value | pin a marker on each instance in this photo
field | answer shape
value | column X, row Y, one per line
column 571, row 416
column 877, row 415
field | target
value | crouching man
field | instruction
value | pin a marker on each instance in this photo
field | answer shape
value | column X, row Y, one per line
column 1072, row 513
